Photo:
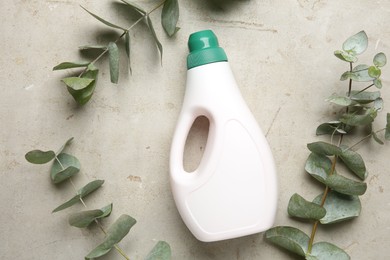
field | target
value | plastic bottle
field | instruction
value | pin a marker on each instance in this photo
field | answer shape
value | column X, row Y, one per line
column 233, row 192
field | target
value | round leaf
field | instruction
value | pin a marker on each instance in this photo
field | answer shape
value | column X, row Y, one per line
column 374, row 72
column 77, row 83
column 380, row 59
column 360, row 73
column 64, row 167
column 339, row 100
column 82, row 96
column 301, row 208
column 345, row 56
column 357, row 43
column 319, row 166
column 117, row 231
column 354, row 162
column 290, row 238
column 161, row 251
column 324, row 148
column 326, row 251
column 346, row 186
column 170, row 16
column 39, row 157
column 365, row 97
column 378, row 83
column 339, row 207
column 84, row 218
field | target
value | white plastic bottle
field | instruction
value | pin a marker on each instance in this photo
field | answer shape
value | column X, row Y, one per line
column 233, row 192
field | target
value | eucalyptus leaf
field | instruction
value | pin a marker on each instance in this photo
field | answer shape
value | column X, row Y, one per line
column 161, row 251
column 170, row 16
column 82, row 96
column 374, row 72
column 387, row 132
column 154, row 35
column 380, row 59
column 346, row 186
column 357, row 43
column 345, row 56
column 84, row 218
column 354, row 162
column 70, row 65
column 324, row 148
column 127, row 48
column 340, row 100
column 345, row 75
column 327, row 251
column 339, row 207
column 113, row 55
column 360, row 73
column 117, row 231
column 365, row 97
column 81, row 193
column 39, row 157
column 378, row 104
column 104, row 21
column 359, row 120
column 319, row 166
column 65, row 145
column 134, row 7
column 376, row 138
column 77, row 83
column 301, row 208
column 290, row 238
column 329, row 128
column 378, row 83
column 64, row 167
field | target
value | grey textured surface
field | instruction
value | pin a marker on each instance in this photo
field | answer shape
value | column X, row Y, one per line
column 281, row 53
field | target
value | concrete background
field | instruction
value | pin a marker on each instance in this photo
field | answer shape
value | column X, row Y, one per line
column 282, row 55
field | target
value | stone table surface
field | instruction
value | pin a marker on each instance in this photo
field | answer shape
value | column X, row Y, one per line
column 281, row 53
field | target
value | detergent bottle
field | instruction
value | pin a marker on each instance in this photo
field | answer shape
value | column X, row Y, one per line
column 233, row 191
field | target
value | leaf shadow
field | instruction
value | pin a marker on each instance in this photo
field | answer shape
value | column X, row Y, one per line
column 221, row 5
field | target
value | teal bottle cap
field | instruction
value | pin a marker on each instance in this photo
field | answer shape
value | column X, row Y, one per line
column 204, row 49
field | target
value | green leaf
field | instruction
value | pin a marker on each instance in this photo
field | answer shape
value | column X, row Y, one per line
column 327, row 251
column 339, row 207
column 339, row 100
column 84, row 218
column 65, row 145
column 290, row 238
column 82, row 96
column 360, row 73
column 378, row 83
column 134, row 7
column 127, row 48
column 81, row 193
column 39, row 157
column 161, row 251
column 329, row 128
column 64, row 167
column 92, row 47
column 359, row 120
column 77, row 83
column 117, row 231
column 387, row 133
column 354, row 162
column 70, row 65
column 104, row 21
column 345, row 76
column 151, row 28
column 377, row 139
column 324, row 148
column 374, row 72
column 170, row 16
column 346, row 186
column 380, row 59
column 319, row 166
column 113, row 55
column 357, row 43
column 345, row 56
column 301, row 208
column 365, row 97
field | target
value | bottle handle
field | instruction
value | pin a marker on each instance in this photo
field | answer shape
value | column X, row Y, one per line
column 178, row 174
